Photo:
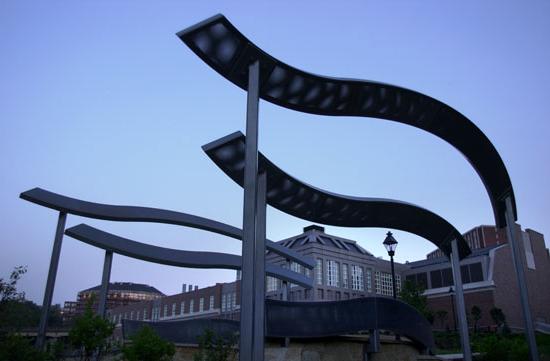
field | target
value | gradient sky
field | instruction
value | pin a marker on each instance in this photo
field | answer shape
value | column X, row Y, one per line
column 100, row 100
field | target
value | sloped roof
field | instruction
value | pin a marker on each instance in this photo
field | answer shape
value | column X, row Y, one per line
column 431, row 261
column 127, row 286
column 316, row 234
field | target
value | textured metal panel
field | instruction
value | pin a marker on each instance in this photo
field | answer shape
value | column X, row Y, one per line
column 302, row 200
column 183, row 332
column 224, row 48
column 144, row 214
column 324, row 319
column 173, row 257
column 303, row 320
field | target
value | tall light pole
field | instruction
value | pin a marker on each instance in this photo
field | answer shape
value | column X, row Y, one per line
column 391, row 244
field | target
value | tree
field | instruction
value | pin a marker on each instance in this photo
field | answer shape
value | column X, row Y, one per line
column 499, row 318
column 17, row 348
column 8, row 289
column 90, row 333
column 441, row 315
column 214, row 347
column 413, row 294
column 146, row 345
column 476, row 316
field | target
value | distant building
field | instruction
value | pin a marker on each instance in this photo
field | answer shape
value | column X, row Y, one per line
column 221, row 300
column 489, row 278
column 345, row 270
column 120, row 294
column 68, row 311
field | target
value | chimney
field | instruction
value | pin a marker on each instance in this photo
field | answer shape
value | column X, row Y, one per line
column 196, row 287
column 184, row 288
column 190, row 288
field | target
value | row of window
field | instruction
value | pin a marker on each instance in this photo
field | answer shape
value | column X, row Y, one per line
column 444, row 277
column 344, row 276
column 229, row 301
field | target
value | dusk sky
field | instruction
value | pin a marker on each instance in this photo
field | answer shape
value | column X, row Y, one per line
column 100, row 100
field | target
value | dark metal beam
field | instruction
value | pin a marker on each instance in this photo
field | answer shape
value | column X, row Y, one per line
column 50, row 283
column 250, row 186
column 226, row 50
column 105, row 279
column 144, row 214
column 297, row 198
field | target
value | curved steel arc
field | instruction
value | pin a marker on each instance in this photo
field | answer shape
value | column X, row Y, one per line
column 302, row 200
column 173, row 257
column 225, row 49
column 145, row 214
column 309, row 320
column 324, row 319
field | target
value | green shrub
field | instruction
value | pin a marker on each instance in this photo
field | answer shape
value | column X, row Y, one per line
column 214, row 347
column 146, row 345
column 17, row 348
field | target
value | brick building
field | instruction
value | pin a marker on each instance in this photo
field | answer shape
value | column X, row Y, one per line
column 120, row 294
column 345, row 270
column 489, row 278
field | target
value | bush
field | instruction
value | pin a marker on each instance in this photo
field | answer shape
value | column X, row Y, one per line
column 214, row 347
column 90, row 333
column 501, row 348
column 18, row 348
column 146, row 345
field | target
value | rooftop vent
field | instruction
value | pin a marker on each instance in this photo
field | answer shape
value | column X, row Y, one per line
column 314, row 227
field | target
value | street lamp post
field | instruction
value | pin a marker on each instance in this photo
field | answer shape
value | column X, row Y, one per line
column 391, row 244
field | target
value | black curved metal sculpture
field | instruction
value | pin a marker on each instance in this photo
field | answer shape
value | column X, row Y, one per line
column 302, row 200
column 306, row 320
column 224, row 48
column 174, row 257
column 145, row 214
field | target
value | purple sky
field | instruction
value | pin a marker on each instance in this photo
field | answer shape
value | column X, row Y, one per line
column 101, row 101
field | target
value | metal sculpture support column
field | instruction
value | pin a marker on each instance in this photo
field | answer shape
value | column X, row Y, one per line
column 522, row 282
column 259, row 271
column 105, row 279
column 460, row 304
column 249, row 215
column 50, row 283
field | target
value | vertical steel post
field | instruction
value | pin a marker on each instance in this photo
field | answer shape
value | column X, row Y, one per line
column 50, row 283
column 522, row 282
column 249, row 214
column 460, row 304
column 105, row 279
column 393, row 278
column 259, row 271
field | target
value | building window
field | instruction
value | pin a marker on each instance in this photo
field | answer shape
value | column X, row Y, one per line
column 333, row 274
column 144, row 313
column 223, row 302
column 357, row 282
column 368, row 278
column 131, row 315
column 182, row 311
column 271, row 284
column 191, row 306
column 319, row 272
column 441, row 278
column 345, row 283
column 384, row 285
column 201, row 304
column 419, row 279
column 234, row 301
column 319, row 294
column 137, row 315
column 173, row 309
column 165, row 310
column 211, row 303
column 296, row 267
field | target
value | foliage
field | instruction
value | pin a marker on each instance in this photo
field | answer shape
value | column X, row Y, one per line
column 413, row 294
column 476, row 316
column 8, row 289
column 17, row 348
column 17, row 313
column 214, row 347
column 90, row 333
column 146, row 345
column 500, row 319
column 495, row 347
